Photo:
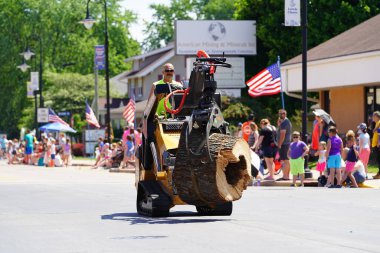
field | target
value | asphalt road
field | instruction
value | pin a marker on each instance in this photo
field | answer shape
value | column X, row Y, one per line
column 83, row 210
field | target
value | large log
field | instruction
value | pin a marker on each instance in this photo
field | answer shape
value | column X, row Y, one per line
column 202, row 181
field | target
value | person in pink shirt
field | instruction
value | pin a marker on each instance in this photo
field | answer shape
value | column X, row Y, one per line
column 125, row 134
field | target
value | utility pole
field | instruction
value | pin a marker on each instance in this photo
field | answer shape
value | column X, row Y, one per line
column 308, row 173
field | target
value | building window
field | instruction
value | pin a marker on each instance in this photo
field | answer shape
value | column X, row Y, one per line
column 159, row 77
column 132, row 90
column 178, row 78
column 139, row 90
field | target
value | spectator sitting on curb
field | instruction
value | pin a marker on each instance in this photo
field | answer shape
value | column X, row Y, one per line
column 101, row 153
column 105, row 155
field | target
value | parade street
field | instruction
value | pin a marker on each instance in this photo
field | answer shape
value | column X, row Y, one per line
column 78, row 209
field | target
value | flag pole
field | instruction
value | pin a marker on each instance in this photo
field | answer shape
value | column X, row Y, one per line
column 88, row 125
column 282, row 91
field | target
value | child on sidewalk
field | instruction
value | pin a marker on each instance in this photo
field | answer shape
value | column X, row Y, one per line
column 351, row 159
column 321, row 153
column 130, row 153
column 297, row 151
column 52, row 153
column 364, row 145
column 334, row 158
column 66, row 152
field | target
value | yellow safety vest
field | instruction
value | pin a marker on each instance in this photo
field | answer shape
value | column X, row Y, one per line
column 160, row 107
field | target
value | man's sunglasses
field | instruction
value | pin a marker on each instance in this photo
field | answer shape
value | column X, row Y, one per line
column 169, row 70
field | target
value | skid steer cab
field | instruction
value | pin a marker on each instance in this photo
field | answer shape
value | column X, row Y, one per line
column 187, row 156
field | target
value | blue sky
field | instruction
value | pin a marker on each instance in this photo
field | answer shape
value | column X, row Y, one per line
column 144, row 13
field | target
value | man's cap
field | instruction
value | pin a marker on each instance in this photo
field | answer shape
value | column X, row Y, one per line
column 362, row 126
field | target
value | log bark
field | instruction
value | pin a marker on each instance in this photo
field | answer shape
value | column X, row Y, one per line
column 202, row 181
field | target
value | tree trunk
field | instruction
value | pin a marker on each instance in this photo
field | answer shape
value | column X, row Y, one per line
column 202, row 181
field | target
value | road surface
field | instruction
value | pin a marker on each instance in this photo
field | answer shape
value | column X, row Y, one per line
column 78, row 209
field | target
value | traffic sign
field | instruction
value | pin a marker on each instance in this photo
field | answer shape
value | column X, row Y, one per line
column 65, row 113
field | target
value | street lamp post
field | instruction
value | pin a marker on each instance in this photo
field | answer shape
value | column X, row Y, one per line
column 35, row 92
column 308, row 173
column 24, row 67
column 88, row 23
column 40, row 82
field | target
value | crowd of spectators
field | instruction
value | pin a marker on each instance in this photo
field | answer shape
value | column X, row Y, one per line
column 120, row 154
column 47, row 152
column 341, row 159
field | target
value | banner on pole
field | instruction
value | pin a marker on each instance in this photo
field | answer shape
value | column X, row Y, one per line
column 292, row 13
column 34, row 80
column 29, row 90
column 99, row 57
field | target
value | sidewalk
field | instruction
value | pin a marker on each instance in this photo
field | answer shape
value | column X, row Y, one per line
column 90, row 163
column 312, row 182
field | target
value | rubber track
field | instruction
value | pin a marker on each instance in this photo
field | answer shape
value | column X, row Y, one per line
column 160, row 206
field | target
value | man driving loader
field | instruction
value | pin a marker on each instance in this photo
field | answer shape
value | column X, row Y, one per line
column 167, row 73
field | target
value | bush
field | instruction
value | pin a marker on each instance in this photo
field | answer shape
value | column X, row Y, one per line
column 78, row 149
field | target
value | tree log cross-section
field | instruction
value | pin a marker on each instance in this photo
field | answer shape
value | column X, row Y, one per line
column 203, row 182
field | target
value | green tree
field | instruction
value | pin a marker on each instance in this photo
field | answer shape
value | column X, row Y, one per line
column 216, row 9
column 161, row 30
column 54, row 25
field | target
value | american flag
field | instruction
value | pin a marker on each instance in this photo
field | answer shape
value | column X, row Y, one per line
column 55, row 118
column 129, row 111
column 90, row 117
column 267, row 82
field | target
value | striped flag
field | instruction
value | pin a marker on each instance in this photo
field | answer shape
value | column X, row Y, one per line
column 267, row 82
column 55, row 118
column 129, row 111
column 90, row 116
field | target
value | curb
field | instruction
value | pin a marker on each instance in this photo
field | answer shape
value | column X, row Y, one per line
column 265, row 183
column 116, row 170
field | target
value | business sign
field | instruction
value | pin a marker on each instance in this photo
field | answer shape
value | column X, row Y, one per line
column 43, row 115
column 34, row 80
column 227, row 78
column 99, row 57
column 216, row 37
column 91, row 139
column 292, row 13
column 94, row 134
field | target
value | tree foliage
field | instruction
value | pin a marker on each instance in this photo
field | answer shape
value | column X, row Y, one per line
column 160, row 31
column 66, row 47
